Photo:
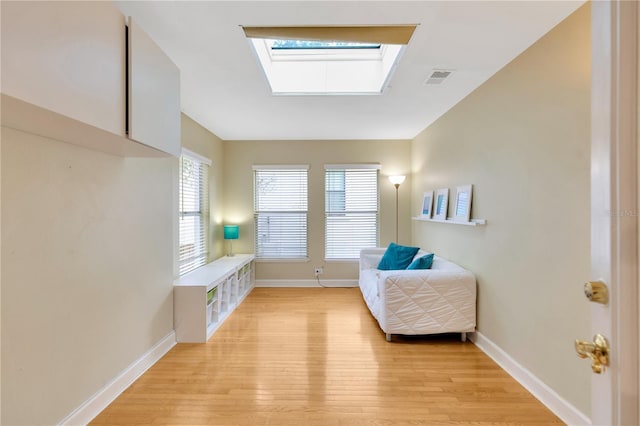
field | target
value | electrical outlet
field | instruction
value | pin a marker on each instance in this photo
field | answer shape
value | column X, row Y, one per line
column 318, row 271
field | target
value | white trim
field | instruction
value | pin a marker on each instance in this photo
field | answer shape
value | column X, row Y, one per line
column 550, row 398
column 93, row 406
column 196, row 156
column 280, row 166
column 282, row 259
column 306, row 283
column 375, row 166
column 614, row 234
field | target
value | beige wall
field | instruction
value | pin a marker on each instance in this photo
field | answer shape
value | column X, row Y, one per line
column 240, row 156
column 87, row 271
column 523, row 140
column 199, row 140
column 89, row 250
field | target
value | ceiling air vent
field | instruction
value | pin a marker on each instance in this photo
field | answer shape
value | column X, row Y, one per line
column 437, row 77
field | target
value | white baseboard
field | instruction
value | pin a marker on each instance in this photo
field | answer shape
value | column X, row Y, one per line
column 306, row 283
column 105, row 396
column 554, row 402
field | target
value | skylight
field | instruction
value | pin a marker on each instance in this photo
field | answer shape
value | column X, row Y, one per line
column 328, row 60
column 306, row 67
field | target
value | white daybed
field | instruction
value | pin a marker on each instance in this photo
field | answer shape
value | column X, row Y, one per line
column 423, row 301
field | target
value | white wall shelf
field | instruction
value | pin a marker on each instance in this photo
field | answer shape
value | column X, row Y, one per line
column 195, row 318
column 472, row 222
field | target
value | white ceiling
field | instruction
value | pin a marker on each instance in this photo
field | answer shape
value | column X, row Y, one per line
column 223, row 88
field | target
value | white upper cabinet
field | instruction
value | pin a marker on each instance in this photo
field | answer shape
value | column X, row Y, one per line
column 66, row 57
column 64, row 76
column 154, row 93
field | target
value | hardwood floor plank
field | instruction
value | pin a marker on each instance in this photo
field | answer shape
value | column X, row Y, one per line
column 299, row 356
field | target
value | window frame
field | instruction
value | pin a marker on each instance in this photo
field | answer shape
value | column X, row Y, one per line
column 201, row 257
column 270, row 256
column 329, row 212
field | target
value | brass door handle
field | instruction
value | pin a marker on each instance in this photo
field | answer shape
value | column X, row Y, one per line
column 598, row 352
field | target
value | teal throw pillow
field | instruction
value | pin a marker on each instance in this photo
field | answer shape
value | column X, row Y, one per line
column 423, row 262
column 397, row 257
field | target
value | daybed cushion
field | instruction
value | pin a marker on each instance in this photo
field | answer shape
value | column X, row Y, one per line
column 422, row 262
column 397, row 257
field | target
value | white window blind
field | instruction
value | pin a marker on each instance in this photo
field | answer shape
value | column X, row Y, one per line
column 194, row 212
column 280, row 212
column 351, row 210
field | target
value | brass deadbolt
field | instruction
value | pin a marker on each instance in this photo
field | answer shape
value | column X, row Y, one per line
column 598, row 352
column 597, row 291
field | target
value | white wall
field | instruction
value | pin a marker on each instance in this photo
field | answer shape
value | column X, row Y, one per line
column 87, row 256
column 523, row 140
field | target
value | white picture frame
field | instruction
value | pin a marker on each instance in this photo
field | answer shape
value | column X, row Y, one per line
column 427, row 205
column 441, row 204
column 462, row 209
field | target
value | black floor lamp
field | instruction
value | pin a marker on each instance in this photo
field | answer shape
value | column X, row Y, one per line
column 396, row 181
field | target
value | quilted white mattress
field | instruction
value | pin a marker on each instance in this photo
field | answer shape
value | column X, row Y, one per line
column 437, row 300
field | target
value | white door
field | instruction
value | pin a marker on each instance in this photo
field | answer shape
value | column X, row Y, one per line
column 614, row 209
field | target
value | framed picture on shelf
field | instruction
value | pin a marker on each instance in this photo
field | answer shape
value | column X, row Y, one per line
column 427, row 202
column 441, row 201
column 462, row 210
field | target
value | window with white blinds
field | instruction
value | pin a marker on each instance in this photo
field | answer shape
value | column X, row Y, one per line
column 351, row 210
column 280, row 212
column 194, row 211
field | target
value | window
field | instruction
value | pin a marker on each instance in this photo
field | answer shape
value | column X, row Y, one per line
column 314, row 44
column 194, row 211
column 351, row 210
column 280, row 212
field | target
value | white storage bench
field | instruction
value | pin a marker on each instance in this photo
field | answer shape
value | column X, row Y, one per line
column 205, row 297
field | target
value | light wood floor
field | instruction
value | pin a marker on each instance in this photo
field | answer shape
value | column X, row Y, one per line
column 317, row 357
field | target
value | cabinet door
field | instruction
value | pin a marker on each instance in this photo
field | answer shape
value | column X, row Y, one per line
column 154, row 94
column 68, row 57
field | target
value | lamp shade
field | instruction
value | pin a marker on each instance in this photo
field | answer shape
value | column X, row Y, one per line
column 396, row 180
column 231, row 232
